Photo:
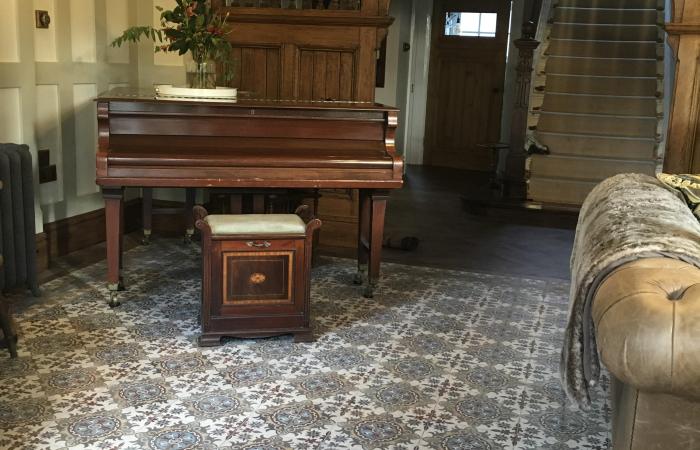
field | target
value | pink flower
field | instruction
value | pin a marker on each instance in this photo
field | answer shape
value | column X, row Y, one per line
column 190, row 9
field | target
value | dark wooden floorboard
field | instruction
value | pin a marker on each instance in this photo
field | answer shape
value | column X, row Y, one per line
column 512, row 242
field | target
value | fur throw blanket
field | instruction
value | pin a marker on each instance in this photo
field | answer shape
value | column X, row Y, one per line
column 626, row 217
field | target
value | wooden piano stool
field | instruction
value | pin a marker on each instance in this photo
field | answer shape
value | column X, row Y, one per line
column 256, row 271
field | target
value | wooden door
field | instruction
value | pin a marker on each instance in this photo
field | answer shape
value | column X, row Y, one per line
column 467, row 72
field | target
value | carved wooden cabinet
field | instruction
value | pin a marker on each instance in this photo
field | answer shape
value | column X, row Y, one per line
column 310, row 50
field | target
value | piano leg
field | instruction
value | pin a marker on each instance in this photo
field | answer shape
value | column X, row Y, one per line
column 363, row 238
column 378, row 201
column 190, row 194
column 147, row 215
column 114, row 205
column 122, row 227
column 371, row 233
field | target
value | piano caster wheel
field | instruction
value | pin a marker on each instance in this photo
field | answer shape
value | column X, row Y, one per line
column 369, row 290
column 11, row 342
column 113, row 300
column 146, row 239
column 120, row 285
column 359, row 279
column 187, row 240
column 360, row 276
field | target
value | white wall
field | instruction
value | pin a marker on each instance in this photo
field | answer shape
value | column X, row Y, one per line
column 395, row 90
column 417, row 85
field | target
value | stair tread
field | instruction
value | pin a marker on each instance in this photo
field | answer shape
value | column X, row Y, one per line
column 590, row 158
column 599, row 67
column 597, row 136
column 600, row 115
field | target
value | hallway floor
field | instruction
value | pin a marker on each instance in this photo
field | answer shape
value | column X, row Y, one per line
column 509, row 242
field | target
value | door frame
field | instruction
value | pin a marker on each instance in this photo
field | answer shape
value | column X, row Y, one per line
column 419, row 68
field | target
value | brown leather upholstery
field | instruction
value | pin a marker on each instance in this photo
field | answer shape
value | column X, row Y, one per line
column 647, row 318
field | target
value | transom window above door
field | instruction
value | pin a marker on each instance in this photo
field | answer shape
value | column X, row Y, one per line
column 471, row 24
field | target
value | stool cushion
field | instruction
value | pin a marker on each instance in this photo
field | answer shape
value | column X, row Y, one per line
column 251, row 224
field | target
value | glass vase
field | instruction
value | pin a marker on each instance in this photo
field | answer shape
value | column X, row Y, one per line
column 201, row 75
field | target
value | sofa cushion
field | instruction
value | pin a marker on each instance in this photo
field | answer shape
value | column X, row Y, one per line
column 647, row 321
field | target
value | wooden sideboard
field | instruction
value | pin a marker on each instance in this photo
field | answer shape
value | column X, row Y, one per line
column 311, row 54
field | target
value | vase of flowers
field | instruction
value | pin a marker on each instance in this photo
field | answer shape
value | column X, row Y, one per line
column 191, row 27
column 200, row 75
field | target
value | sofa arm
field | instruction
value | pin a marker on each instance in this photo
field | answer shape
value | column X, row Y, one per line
column 647, row 321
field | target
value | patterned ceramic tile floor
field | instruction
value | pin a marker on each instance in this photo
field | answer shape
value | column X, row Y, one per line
column 439, row 359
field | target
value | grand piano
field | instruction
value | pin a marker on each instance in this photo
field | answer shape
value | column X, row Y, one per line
column 144, row 141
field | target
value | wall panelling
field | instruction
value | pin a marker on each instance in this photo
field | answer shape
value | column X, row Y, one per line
column 118, row 21
column 83, row 35
column 47, row 126
column 45, row 38
column 85, row 137
column 10, row 115
column 9, row 32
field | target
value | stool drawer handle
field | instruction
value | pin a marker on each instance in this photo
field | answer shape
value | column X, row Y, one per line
column 264, row 244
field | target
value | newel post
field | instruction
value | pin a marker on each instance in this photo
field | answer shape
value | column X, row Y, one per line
column 515, row 164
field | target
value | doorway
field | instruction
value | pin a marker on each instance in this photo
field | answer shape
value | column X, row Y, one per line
column 468, row 52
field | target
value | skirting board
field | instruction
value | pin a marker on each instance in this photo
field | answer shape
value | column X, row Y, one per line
column 76, row 233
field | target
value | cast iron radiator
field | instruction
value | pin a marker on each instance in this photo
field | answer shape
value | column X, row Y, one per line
column 17, row 227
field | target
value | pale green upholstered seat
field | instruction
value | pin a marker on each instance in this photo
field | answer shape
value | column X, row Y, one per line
column 249, row 224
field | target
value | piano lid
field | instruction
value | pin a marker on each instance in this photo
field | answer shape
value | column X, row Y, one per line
column 122, row 94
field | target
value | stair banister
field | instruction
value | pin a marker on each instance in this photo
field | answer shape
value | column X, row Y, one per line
column 515, row 162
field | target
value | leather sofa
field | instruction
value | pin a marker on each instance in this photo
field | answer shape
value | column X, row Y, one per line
column 647, row 321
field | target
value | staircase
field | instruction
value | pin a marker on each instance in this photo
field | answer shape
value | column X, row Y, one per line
column 597, row 97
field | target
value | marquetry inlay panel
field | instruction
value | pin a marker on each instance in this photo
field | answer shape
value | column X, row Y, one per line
column 258, row 278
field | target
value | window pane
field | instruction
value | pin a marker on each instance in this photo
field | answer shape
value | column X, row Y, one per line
column 471, row 24
column 488, row 24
